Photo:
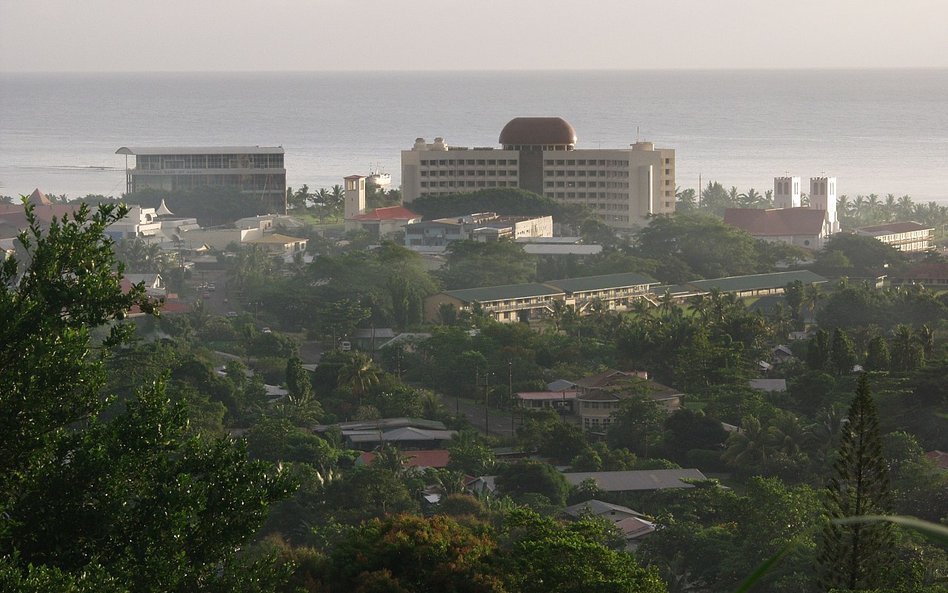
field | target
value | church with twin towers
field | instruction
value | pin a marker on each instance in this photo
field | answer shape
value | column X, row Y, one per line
column 807, row 221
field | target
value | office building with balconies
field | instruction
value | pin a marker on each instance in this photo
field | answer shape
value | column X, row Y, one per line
column 256, row 170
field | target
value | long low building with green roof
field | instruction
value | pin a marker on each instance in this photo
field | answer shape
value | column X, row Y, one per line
column 613, row 292
column 523, row 302
column 743, row 286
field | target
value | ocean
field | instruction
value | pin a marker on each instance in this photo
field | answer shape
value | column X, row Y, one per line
column 878, row 131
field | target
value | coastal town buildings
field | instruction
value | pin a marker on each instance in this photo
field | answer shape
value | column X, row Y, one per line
column 907, row 237
column 481, row 226
column 380, row 222
column 622, row 186
column 790, row 221
column 256, row 170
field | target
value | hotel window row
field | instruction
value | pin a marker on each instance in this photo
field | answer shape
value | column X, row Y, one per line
column 585, row 162
column 456, row 162
column 159, row 162
column 584, row 173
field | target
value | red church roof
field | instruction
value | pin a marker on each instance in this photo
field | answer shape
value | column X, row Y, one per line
column 390, row 213
column 778, row 222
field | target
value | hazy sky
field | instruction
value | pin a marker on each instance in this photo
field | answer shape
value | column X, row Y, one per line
column 172, row 35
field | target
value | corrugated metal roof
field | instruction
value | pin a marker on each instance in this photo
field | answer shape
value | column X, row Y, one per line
column 892, row 228
column 502, row 293
column 150, row 150
column 604, row 282
column 757, row 281
column 626, row 481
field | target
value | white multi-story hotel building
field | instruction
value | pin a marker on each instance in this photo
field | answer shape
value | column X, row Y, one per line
column 622, row 186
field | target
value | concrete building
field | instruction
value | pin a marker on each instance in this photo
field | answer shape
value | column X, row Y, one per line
column 908, row 237
column 380, row 222
column 482, row 226
column 257, row 170
column 524, row 302
column 823, row 197
column 787, row 192
column 623, row 186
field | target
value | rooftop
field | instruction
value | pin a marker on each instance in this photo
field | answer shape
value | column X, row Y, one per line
column 538, row 131
column 604, row 282
column 504, row 292
column 627, row 481
column 892, row 228
column 776, row 222
column 758, row 281
column 150, row 150
column 389, row 213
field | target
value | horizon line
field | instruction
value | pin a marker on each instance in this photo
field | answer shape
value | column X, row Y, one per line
column 498, row 71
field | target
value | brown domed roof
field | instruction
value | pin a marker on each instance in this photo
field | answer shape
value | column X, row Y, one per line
column 537, row 131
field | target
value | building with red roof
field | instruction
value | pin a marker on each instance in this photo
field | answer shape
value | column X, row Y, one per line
column 805, row 227
column 380, row 222
column 434, row 458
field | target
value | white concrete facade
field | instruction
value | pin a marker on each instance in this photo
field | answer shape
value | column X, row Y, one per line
column 787, row 192
column 622, row 186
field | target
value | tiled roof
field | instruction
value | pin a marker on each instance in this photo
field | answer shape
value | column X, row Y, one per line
column 778, row 222
column 607, row 281
column 390, row 213
column 505, row 292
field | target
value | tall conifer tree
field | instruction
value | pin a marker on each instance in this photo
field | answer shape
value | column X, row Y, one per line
column 857, row 556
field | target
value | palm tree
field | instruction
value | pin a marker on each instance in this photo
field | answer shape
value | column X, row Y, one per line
column 904, row 207
column 359, row 374
column 786, row 434
column 390, row 458
column 750, row 199
column 889, row 207
column 749, row 446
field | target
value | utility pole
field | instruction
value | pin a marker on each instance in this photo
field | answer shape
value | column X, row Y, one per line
column 510, row 394
column 487, row 402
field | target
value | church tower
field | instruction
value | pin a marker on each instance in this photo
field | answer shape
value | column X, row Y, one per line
column 355, row 196
column 823, row 197
column 787, row 192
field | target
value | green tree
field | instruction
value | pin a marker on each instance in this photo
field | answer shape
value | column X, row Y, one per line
column 907, row 354
column 857, row 556
column 470, row 454
column 297, row 379
column 410, row 554
column 358, row 374
column 877, row 355
column 533, row 477
column 842, row 352
column 130, row 496
column 538, row 555
column 818, row 351
column 471, row 264
column 637, row 426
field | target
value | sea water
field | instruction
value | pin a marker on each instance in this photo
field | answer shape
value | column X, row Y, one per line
column 878, row 131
